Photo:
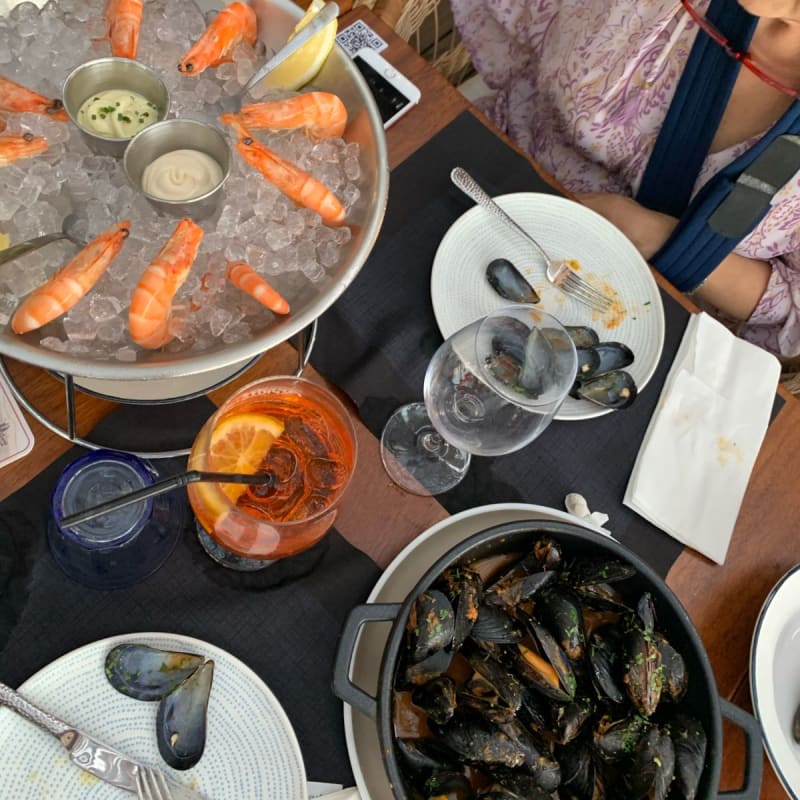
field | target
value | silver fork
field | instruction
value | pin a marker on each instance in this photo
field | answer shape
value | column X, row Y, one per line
column 559, row 273
column 151, row 785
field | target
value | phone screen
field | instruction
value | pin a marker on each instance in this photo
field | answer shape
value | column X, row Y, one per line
column 389, row 98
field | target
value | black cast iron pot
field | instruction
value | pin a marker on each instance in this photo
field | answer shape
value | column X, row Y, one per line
column 702, row 699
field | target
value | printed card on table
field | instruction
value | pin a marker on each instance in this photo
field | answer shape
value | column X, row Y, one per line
column 358, row 35
column 16, row 438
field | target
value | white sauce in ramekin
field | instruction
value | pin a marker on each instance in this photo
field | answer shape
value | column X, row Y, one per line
column 181, row 175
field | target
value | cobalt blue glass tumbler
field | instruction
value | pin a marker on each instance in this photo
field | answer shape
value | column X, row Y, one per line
column 125, row 546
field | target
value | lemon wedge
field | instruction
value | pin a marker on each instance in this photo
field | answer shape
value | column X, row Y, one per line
column 302, row 66
column 239, row 444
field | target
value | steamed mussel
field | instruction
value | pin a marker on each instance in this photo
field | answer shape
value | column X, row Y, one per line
column 181, row 682
column 562, row 685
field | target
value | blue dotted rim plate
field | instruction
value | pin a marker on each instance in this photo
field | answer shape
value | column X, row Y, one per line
column 251, row 748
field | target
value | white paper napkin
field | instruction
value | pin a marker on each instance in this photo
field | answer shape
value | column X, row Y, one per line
column 698, row 452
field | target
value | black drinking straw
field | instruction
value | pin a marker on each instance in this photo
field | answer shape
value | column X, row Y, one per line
column 167, row 485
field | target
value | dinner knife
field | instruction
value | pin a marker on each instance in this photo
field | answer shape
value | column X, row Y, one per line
column 98, row 759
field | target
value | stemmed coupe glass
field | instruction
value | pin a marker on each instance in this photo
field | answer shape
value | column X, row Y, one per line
column 490, row 389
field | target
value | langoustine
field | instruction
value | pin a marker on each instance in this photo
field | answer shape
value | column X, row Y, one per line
column 124, row 20
column 244, row 277
column 13, row 147
column 235, row 23
column 71, row 282
column 289, row 178
column 321, row 114
column 17, row 98
column 151, row 306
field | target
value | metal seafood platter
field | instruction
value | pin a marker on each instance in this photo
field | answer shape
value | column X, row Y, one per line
column 157, row 375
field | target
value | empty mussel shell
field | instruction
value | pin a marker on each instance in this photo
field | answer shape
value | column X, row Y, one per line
column 181, row 719
column 615, row 389
column 147, row 673
column 613, row 355
column 582, row 335
column 509, row 282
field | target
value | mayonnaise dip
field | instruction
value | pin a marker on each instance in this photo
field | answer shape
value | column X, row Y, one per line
column 181, row 175
column 116, row 113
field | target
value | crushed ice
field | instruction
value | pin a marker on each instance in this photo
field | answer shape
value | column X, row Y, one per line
column 288, row 245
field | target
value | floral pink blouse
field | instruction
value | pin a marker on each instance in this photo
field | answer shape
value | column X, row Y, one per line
column 584, row 86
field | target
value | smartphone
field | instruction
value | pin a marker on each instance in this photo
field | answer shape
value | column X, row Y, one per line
column 393, row 92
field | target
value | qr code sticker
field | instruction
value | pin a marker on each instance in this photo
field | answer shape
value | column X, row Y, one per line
column 358, row 35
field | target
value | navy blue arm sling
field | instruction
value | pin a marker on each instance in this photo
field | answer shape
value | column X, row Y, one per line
column 734, row 201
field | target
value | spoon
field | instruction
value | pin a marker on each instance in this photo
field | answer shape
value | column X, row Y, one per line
column 166, row 485
column 326, row 14
column 509, row 282
column 30, row 245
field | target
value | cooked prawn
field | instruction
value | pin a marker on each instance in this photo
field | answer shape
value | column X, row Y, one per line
column 289, row 178
column 14, row 97
column 235, row 23
column 12, row 147
column 244, row 277
column 322, row 114
column 151, row 306
column 124, row 19
column 71, row 282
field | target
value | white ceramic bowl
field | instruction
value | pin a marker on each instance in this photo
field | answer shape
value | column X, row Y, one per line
column 775, row 677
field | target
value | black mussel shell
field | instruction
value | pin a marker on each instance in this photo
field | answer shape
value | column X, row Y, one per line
column 473, row 739
column 555, row 656
column 614, row 740
column 509, row 282
column 653, row 765
column 605, row 663
column 437, row 698
column 424, row 755
column 582, row 336
column 613, row 355
column 676, row 676
column 431, row 624
column 432, row 666
column 643, row 674
column 588, row 362
column 494, row 625
column 465, row 590
column 689, row 740
column 504, row 684
column 181, row 719
column 591, row 571
column 147, row 673
column 615, row 389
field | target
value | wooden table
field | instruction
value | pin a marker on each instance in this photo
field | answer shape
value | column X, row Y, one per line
column 723, row 601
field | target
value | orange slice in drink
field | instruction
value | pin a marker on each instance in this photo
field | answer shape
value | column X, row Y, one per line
column 239, row 444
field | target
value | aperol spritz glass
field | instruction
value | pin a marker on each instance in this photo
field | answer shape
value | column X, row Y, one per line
column 296, row 430
column 490, row 389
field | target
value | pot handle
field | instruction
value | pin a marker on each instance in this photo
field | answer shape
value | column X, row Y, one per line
column 343, row 687
column 753, row 763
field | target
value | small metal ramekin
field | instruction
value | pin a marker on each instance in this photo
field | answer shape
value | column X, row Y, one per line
column 178, row 134
column 101, row 75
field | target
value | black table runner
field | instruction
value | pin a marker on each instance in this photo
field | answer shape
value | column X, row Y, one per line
column 283, row 622
column 376, row 341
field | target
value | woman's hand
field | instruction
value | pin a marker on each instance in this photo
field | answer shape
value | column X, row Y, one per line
column 648, row 230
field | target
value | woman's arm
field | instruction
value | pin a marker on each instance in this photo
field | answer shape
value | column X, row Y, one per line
column 734, row 287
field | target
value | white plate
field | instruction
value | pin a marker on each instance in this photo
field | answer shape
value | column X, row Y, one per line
column 251, row 748
column 566, row 229
column 775, row 677
column 397, row 581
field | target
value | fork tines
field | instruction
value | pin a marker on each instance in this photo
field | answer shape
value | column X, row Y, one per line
column 571, row 282
column 151, row 785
